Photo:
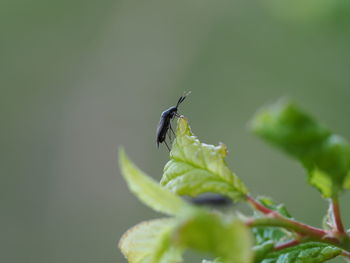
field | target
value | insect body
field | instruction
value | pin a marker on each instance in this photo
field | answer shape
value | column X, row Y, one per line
column 165, row 122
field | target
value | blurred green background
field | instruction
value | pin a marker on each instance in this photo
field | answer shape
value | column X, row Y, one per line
column 81, row 78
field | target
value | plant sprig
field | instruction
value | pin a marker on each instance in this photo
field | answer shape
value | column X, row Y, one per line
column 270, row 234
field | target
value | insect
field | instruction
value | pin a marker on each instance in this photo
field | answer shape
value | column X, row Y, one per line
column 165, row 122
column 211, row 200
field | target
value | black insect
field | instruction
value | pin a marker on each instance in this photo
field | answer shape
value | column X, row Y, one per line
column 211, row 200
column 165, row 121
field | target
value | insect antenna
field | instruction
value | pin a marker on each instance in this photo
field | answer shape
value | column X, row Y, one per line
column 182, row 98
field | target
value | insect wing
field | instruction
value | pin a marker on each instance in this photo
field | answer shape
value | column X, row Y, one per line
column 162, row 129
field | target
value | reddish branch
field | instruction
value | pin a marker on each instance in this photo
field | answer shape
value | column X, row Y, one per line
column 345, row 253
column 263, row 209
column 286, row 244
column 299, row 227
column 338, row 224
column 273, row 218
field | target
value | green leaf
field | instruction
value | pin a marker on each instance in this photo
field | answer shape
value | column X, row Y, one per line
column 150, row 192
column 311, row 252
column 228, row 240
column 196, row 168
column 261, row 250
column 325, row 155
column 150, row 242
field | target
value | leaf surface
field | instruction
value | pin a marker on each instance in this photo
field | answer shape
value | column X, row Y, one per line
column 149, row 242
column 229, row 240
column 311, row 252
column 325, row 155
column 196, row 167
column 149, row 191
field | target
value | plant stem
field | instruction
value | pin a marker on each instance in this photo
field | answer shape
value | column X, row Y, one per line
column 275, row 219
column 289, row 243
column 263, row 209
column 345, row 253
column 298, row 227
column 291, row 225
column 338, row 223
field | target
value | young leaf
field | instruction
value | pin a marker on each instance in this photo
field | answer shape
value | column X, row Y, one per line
column 196, row 168
column 230, row 241
column 311, row 252
column 261, row 250
column 149, row 242
column 325, row 155
column 150, row 192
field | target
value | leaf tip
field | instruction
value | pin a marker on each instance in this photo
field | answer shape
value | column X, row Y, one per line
column 124, row 161
column 121, row 154
column 266, row 112
column 222, row 149
column 183, row 126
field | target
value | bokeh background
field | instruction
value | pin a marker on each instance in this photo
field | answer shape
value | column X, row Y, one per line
column 81, row 78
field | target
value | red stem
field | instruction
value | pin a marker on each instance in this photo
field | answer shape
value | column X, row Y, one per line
column 273, row 218
column 263, row 209
column 303, row 229
column 338, row 223
column 345, row 253
column 286, row 244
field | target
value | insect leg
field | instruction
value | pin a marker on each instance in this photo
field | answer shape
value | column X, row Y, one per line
column 167, row 145
column 171, row 128
column 169, row 135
